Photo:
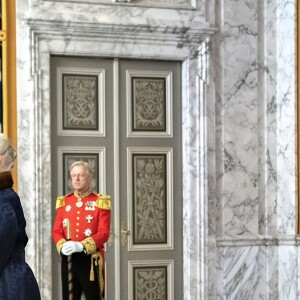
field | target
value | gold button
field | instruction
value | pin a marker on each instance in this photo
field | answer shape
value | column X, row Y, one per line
column 78, row 212
column 77, row 224
column 77, row 218
column 77, row 235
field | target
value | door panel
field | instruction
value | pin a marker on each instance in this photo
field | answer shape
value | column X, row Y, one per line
column 150, row 160
column 81, row 100
column 124, row 118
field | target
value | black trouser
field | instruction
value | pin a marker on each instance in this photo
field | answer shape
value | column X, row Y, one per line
column 81, row 265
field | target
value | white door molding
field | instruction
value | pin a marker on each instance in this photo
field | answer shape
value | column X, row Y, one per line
column 40, row 40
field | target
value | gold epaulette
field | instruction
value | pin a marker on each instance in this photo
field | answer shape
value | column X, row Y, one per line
column 103, row 202
column 60, row 201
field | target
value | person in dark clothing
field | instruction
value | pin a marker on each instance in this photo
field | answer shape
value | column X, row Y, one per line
column 17, row 281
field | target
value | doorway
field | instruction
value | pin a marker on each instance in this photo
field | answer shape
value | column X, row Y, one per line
column 124, row 118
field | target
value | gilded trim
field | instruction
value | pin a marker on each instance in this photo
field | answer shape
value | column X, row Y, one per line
column 89, row 245
column 60, row 202
column 9, row 71
column 59, row 245
column 298, row 111
column 103, row 202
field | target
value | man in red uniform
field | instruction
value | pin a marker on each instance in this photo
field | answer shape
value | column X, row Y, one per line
column 81, row 227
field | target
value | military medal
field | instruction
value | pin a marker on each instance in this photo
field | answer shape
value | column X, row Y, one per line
column 89, row 218
column 87, row 232
column 90, row 205
column 79, row 204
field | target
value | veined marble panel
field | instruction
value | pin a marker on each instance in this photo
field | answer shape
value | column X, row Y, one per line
column 184, row 11
column 258, row 268
column 182, row 4
column 241, row 273
column 240, row 118
column 266, row 105
column 256, row 120
column 286, row 116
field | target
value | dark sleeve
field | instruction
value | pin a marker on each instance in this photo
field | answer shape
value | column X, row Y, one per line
column 8, row 233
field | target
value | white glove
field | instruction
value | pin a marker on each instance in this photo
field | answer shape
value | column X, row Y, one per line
column 71, row 247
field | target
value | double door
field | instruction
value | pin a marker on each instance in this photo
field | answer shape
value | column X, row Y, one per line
column 123, row 117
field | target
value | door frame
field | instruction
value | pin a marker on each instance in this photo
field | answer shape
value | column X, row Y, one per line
column 42, row 39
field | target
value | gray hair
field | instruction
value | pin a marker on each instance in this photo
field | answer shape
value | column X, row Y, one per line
column 8, row 152
column 88, row 170
column 84, row 164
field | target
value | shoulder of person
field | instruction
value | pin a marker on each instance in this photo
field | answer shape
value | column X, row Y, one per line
column 61, row 201
column 103, row 201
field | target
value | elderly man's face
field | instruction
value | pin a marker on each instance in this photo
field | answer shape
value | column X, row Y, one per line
column 80, row 179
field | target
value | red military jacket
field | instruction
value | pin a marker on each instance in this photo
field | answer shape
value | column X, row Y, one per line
column 88, row 219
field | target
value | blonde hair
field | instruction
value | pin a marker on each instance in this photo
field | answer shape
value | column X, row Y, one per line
column 8, row 152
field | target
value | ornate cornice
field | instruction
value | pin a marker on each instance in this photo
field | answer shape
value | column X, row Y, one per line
column 170, row 33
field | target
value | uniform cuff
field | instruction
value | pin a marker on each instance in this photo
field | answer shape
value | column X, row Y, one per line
column 89, row 245
column 59, row 245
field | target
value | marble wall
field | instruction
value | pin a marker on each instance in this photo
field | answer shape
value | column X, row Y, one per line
column 239, row 118
column 255, row 203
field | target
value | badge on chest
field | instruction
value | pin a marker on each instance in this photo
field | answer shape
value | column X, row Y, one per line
column 90, row 205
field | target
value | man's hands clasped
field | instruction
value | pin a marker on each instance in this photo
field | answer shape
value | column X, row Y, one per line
column 71, row 247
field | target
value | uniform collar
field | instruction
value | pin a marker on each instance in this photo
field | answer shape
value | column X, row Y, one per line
column 81, row 195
